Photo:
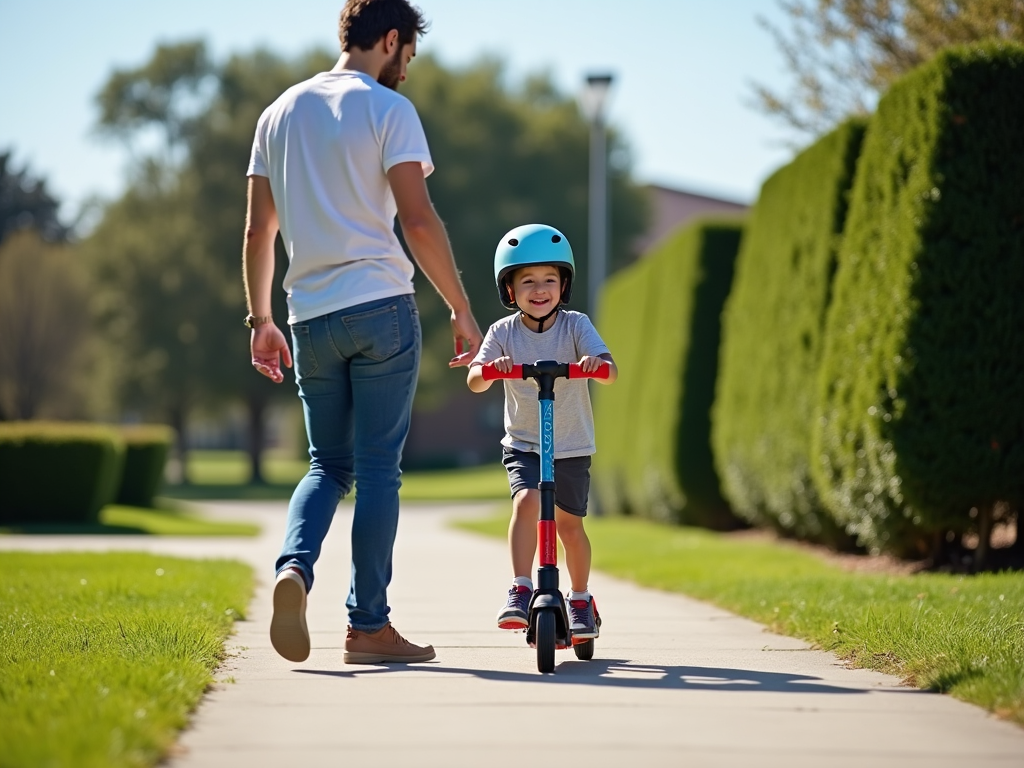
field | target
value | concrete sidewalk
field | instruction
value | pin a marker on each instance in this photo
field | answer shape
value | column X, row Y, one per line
column 673, row 681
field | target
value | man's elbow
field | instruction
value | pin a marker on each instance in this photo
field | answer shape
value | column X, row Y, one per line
column 416, row 227
column 257, row 234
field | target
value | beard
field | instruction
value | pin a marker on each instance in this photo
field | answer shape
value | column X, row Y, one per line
column 391, row 73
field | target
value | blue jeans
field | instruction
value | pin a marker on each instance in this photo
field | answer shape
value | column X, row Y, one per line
column 356, row 370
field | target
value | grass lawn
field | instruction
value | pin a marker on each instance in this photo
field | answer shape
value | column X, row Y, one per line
column 115, row 519
column 225, row 475
column 103, row 656
column 489, row 482
column 962, row 635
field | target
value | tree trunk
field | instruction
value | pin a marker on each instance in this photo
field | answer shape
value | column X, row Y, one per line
column 938, row 553
column 257, row 435
column 1017, row 548
column 179, row 418
column 985, row 514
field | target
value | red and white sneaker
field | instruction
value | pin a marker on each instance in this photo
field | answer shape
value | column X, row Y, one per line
column 584, row 620
column 515, row 614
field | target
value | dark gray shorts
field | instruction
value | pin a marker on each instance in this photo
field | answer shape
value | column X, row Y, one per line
column 572, row 478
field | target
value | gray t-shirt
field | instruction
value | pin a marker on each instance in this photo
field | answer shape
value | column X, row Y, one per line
column 570, row 337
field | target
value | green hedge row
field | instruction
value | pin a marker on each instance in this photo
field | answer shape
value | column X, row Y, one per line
column 615, row 433
column 662, row 320
column 58, row 472
column 921, row 392
column 146, row 449
column 872, row 369
column 773, row 335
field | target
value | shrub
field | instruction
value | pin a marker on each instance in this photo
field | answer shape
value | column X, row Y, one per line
column 663, row 451
column 53, row 472
column 772, row 340
column 615, row 405
column 922, row 381
column 146, row 449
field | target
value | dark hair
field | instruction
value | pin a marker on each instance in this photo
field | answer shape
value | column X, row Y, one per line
column 364, row 22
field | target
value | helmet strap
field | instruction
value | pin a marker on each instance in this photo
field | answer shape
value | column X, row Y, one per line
column 541, row 320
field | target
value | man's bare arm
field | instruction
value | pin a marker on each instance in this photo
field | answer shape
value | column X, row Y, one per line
column 261, row 227
column 429, row 244
column 267, row 345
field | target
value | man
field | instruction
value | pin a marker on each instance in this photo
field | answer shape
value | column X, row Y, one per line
column 334, row 159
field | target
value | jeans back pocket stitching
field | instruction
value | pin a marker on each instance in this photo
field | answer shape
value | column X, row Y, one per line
column 396, row 335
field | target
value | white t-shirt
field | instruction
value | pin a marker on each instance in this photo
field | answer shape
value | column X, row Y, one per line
column 326, row 145
column 570, row 337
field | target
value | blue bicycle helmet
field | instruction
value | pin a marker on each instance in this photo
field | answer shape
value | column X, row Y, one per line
column 532, row 245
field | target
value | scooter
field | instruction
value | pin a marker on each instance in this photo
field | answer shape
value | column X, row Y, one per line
column 549, row 627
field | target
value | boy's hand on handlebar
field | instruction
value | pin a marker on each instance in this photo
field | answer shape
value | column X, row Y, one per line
column 590, row 363
column 503, row 364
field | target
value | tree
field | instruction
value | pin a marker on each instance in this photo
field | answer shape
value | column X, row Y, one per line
column 152, row 297
column 153, row 285
column 844, row 54
column 43, row 311
column 26, row 203
column 166, row 93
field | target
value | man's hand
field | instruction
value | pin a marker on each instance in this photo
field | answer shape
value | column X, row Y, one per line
column 269, row 346
column 465, row 329
column 590, row 363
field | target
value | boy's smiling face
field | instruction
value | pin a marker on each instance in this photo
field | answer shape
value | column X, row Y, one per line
column 537, row 290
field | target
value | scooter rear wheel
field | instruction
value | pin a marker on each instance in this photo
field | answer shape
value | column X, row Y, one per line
column 584, row 650
column 546, row 641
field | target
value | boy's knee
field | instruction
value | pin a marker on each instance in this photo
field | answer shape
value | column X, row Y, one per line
column 527, row 500
column 569, row 526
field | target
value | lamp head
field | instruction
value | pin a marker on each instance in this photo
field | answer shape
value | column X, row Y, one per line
column 594, row 94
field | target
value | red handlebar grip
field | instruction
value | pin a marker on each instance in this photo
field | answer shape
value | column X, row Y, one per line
column 603, row 372
column 490, row 373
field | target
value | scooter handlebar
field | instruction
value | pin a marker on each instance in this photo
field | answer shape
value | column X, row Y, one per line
column 603, row 371
column 490, row 373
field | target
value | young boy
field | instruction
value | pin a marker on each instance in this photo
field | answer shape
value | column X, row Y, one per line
column 534, row 270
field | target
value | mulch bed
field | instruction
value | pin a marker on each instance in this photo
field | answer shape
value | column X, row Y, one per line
column 1004, row 554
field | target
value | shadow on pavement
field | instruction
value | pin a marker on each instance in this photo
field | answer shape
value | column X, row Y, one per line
column 620, row 673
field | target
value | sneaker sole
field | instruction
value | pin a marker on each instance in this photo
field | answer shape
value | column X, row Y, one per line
column 288, row 632
column 384, row 658
column 514, row 623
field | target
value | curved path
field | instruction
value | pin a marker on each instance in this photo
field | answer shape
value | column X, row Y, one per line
column 674, row 681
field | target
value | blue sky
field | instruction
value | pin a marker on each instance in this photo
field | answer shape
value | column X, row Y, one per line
column 683, row 70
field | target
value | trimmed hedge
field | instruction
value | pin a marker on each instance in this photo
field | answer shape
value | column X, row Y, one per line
column 772, row 341
column 660, row 447
column 922, row 383
column 614, row 404
column 146, row 450
column 57, row 472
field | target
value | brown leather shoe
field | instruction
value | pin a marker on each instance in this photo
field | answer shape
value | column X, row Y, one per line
column 384, row 645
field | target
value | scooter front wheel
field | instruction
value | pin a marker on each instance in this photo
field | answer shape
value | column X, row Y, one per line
column 585, row 650
column 546, row 641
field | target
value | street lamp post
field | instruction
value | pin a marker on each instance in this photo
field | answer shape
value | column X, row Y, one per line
column 593, row 98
